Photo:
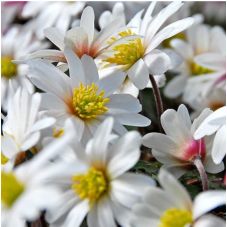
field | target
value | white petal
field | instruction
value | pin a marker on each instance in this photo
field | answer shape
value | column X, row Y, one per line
column 75, row 68
column 30, row 141
column 180, row 46
column 210, row 221
column 175, row 127
column 184, row 114
column 77, row 214
column 214, row 61
column 139, row 74
column 178, row 192
column 90, row 70
column 207, row 201
column 129, row 187
column 211, row 167
column 219, row 145
column 9, row 146
column 92, row 218
column 124, row 154
column 124, row 102
column 105, row 214
column 56, row 36
column 87, row 22
column 175, row 87
column 157, row 62
column 110, row 83
column 175, row 59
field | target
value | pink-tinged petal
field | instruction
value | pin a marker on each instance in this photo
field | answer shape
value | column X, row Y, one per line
column 77, row 40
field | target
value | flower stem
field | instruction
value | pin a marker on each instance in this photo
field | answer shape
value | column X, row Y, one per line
column 197, row 162
column 158, row 100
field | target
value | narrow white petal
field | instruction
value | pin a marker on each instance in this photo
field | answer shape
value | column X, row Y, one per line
column 207, row 201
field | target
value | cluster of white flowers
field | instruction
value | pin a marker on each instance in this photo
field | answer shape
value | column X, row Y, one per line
column 76, row 128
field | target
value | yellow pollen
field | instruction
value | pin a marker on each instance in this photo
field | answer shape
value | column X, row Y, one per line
column 175, row 217
column 8, row 69
column 128, row 53
column 11, row 189
column 91, row 185
column 59, row 133
column 87, row 103
column 4, row 160
column 199, row 70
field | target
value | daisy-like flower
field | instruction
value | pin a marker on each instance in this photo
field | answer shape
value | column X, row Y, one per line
column 83, row 97
column 178, row 150
column 94, row 182
column 81, row 40
column 22, row 125
column 53, row 13
column 24, row 193
column 203, row 64
column 216, row 122
column 16, row 43
column 140, row 58
column 172, row 206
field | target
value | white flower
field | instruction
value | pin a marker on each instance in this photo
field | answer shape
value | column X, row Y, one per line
column 16, row 43
column 83, row 97
column 140, row 58
column 22, row 125
column 172, row 206
column 23, row 195
column 204, row 63
column 94, row 182
column 51, row 13
column 216, row 122
column 177, row 149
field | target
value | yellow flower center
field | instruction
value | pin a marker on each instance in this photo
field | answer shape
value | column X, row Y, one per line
column 11, row 189
column 8, row 69
column 4, row 160
column 128, row 53
column 87, row 103
column 59, row 133
column 91, row 185
column 175, row 217
column 199, row 70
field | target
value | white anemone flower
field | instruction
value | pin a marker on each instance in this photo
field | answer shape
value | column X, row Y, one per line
column 22, row 125
column 178, row 149
column 51, row 13
column 172, row 206
column 83, row 97
column 203, row 65
column 94, row 181
column 24, row 195
column 216, row 122
column 139, row 58
column 16, row 43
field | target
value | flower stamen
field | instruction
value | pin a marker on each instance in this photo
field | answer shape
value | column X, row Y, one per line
column 8, row 69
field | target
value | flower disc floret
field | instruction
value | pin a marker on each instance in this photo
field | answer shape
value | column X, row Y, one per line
column 87, row 103
column 199, row 70
column 90, row 185
column 11, row 189
column 8, row 69
column 175, row 217
column 128, row 53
